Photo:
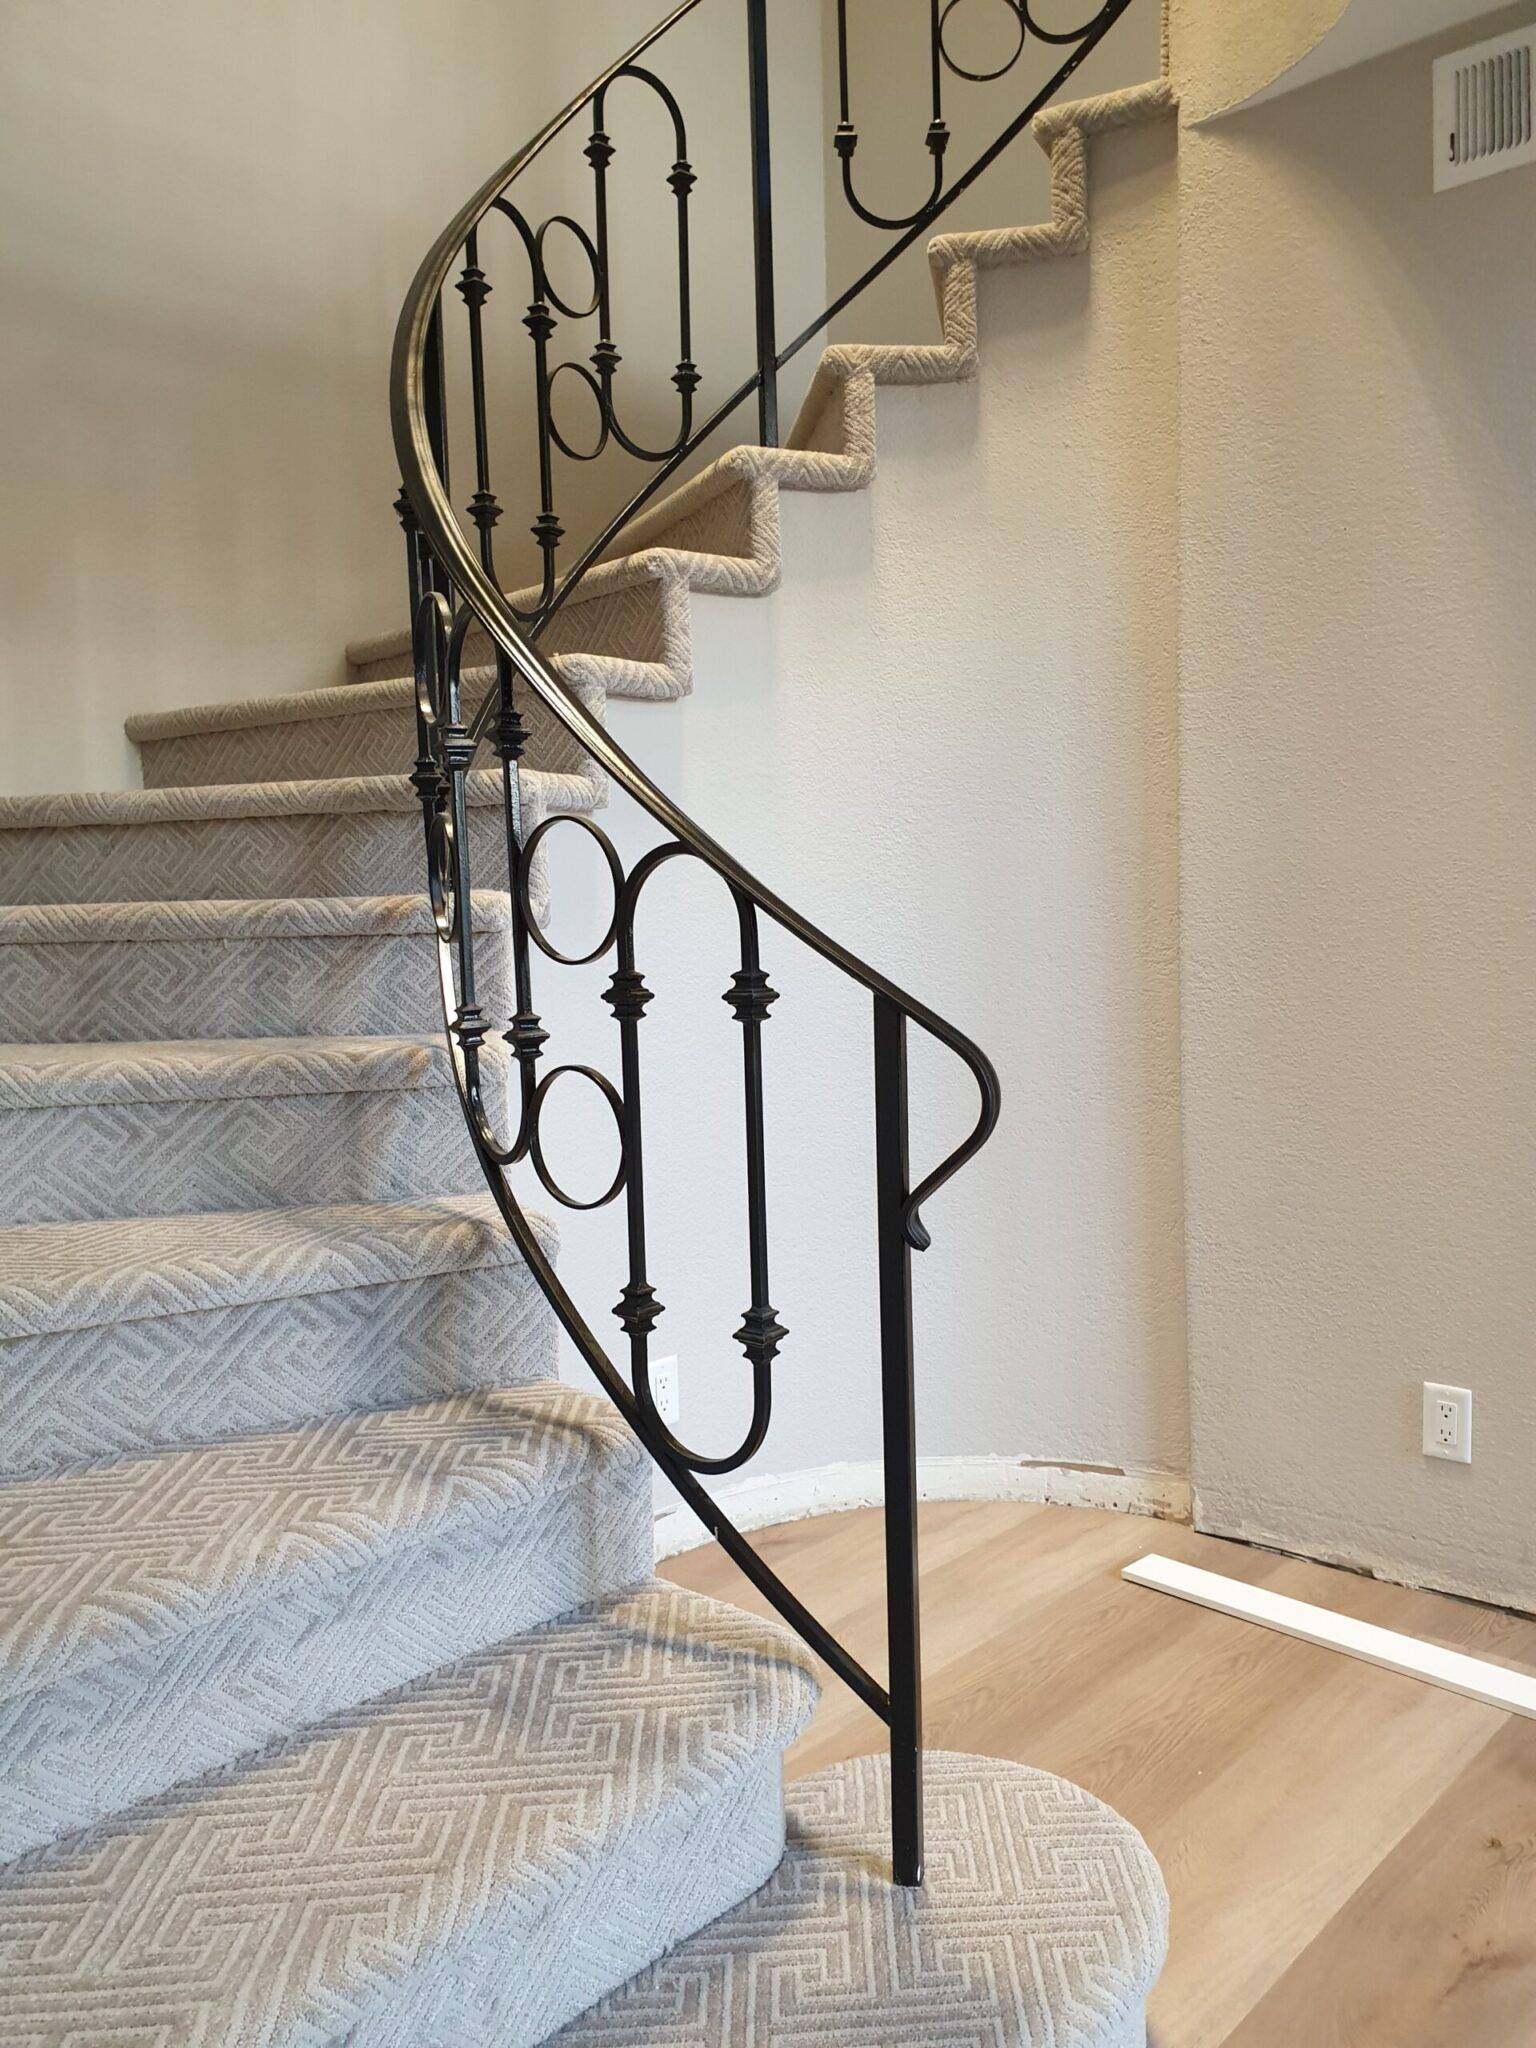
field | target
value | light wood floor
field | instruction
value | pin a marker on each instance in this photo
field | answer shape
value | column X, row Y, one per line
column 1351, row 1854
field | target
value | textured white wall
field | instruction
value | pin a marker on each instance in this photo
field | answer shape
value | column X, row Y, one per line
column 212, row 212
column 950, row 738
column 1359, row 840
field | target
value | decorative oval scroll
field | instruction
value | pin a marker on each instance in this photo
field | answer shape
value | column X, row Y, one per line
column 442, row 867
column 604, row 425
column 535, row 1145
column 1058, row 35
column 983, row 77
column 524, row 874
column 547, row 290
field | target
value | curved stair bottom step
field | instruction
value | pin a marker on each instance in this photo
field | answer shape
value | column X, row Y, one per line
column 1042, row 1923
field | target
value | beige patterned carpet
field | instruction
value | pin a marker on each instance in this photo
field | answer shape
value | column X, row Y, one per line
column 1042, row 1923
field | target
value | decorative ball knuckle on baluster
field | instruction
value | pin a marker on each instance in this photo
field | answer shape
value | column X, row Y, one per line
column 547, row 531
column 605, row 359
column 749, row 996
column 938, row 137
column 627, row 996
column 599, row 151
column 471, row 1027
column 682, row 177
column 539, row 321
column 428, row 781
column 474, row 285
column 527, row 1036
column 509, row 735
column 405, row 511
column 458, row 749
column 761, row 1334
column 687, row 379
column 484, row 510
column 638, row 1310
column 846, row 140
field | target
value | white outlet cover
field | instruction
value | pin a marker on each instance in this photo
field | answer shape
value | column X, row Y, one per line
column 1448, row 1422
column 664, row 1389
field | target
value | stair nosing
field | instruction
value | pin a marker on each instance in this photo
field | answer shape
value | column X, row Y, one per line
column 65, row 1306
column 95, row 1073
column 183, row 920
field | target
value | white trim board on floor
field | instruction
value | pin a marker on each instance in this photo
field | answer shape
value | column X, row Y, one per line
column 1494, row 1684
column 770, row 1497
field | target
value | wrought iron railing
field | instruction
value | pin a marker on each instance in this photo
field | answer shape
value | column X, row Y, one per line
column 456, row 592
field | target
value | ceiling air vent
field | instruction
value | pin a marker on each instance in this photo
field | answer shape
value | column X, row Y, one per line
column 1483, row 111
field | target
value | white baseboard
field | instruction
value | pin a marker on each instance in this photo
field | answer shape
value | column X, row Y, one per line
column 1497, row 1685
column 831, row 1489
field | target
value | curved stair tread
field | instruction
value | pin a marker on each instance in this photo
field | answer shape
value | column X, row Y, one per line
column 75, row 1276
column 233, row 917
column 470, row 1859
column 1043, row 1918
column 113, row 1071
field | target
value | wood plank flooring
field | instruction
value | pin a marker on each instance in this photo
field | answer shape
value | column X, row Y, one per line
column 1351, row 1854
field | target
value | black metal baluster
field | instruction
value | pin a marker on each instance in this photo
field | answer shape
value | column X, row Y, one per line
column 637, row 1307
column 686, row 376
column 938, row 133
column 546, row 529
column 762, row 225
column 750, row 999
column 897, row 1407
column 605, row 357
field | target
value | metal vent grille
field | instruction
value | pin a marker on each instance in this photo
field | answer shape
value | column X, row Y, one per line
column 1483, row 109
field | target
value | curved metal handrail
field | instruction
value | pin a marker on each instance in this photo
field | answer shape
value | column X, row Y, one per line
column 455, row 589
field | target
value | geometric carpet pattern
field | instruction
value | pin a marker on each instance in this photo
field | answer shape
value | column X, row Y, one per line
column 421, row 1869
column 164, row 1617
column 100, row 1131
column 290, row 968
column 1042, row 1923
column 337, row 836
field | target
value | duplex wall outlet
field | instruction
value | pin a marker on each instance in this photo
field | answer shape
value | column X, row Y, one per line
column 664, row 1389
column 1448, row 1422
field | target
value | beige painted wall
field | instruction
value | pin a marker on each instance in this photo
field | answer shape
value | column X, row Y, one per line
column 210, row 218
column 212, row 211
column 1358, row 835
column 1224, row 51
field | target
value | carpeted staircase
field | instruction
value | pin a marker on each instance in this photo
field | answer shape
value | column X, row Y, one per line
column 338, row 1704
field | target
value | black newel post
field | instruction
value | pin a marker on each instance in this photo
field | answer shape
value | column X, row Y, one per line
column 897, row 1405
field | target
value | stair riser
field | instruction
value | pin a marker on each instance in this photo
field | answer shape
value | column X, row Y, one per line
column 87, row 1747
column 301, row 750
column 79, row 1397
column 331, row 985
column 87, row 1163
column 527, row 1975
column 348, row 853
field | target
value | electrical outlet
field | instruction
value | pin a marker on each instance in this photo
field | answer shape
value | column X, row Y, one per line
column 1448, row 1422
column 664, row 1389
